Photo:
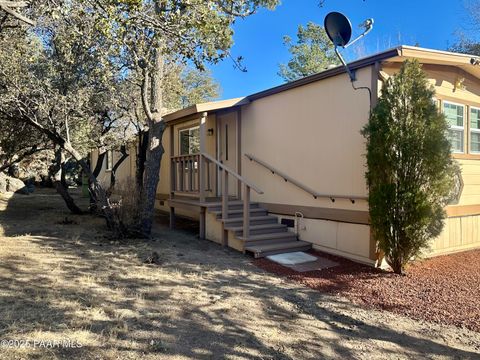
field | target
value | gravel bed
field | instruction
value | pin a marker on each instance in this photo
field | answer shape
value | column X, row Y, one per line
column 443, row 289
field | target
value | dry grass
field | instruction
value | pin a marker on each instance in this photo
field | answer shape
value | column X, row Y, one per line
column 202, row 302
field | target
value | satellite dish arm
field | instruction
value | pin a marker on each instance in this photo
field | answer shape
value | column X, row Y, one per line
column 368, row 25
column 350, row 73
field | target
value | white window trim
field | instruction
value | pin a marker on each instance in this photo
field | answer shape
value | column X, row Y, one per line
column 456, row 127
column 472, row 130
column 180, row 137
column 109, row 159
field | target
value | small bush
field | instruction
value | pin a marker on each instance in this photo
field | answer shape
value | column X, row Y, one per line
column 126, row 205
column 410, row 169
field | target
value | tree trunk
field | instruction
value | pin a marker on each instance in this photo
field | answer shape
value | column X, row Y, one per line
column 98, row 191
column 57, row 175
column 98, row 166
column 152, row 175
column 141, row 158
column 63, row 173
column 96, row 188
column 102, row 152
column 113, row 173
column 155, row 150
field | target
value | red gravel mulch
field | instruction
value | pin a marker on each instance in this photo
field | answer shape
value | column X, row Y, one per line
column 443, row 289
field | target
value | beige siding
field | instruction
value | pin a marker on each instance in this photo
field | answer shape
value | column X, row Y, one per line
column 312, row 134
column 460, row 233
column 126, row 169
column 164, row 183
column 471, row 178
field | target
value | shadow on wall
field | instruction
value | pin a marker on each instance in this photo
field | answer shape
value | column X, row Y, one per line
column 202, row 301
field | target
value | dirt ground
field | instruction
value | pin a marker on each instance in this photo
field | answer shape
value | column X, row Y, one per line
column 71, row 283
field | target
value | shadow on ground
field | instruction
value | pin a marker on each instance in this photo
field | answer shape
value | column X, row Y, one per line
column 201, row 302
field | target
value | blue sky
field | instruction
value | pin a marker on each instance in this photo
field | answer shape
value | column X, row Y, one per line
column 430, row 23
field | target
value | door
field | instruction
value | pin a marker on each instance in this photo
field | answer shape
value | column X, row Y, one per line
column 227, row 148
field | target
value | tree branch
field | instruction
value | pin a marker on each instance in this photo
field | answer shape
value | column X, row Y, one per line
column 144, row 91
column 5, row 6
column 34, row 149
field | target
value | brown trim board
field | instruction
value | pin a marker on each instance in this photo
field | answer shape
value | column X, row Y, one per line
column 466, row 156
column 311, row 212
column 162, row 196
column 462, row 210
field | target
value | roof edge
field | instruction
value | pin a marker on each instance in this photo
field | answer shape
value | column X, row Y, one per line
column 205, row 107
column 357, row 64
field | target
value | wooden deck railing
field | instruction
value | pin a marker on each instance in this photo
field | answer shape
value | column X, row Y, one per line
column 305, row 188
column 191, row 174
column 186, row 174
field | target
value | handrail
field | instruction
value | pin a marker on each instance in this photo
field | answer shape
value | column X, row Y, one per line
column 233, row 173
column 305, row 188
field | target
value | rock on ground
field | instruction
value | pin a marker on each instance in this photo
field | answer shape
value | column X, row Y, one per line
column 11, row 184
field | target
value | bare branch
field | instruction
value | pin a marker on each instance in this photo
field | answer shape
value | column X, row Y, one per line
column 6, row 7
column 146, row 105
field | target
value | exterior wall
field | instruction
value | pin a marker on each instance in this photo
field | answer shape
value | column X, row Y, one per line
column 462, row 226
column 163, row 190
column 471, row 179
column 460, row 233
column 312, row 134
column 126, row 169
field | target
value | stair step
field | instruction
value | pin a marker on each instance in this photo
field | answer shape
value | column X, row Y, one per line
column 239, row 212
column 234, row 206
column 254, row 220
column 258, row 229
column 219, row 203
column 268, row 241
column 273, row 235
column 278, row 248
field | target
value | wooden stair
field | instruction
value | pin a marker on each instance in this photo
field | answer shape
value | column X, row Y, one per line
column 267, row 235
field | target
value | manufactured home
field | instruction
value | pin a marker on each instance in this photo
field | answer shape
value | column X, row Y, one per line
column 284, row 169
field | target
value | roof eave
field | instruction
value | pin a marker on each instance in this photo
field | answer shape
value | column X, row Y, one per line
column 370, row 60
column 206, row 107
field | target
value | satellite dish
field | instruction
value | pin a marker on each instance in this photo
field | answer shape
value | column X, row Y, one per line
column 338, row 28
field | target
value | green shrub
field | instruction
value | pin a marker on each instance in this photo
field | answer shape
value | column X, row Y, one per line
column 410, row 169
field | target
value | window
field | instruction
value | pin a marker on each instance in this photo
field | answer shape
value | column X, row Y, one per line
column 454, row 114
column 474, row 130
column 190, row 141
column 109, row 156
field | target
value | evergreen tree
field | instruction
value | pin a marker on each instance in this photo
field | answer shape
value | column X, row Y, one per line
column 410, row 169
column 313, row 52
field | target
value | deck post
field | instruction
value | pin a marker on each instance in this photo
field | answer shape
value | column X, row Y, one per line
column 238, row 130
column 225, row 195
column 224, row 206
column 201, row 165
column 173, row 177
column 202, row 222
column 246, row 213
column 172, row 217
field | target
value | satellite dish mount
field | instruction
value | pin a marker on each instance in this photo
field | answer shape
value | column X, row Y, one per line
column 339, row 31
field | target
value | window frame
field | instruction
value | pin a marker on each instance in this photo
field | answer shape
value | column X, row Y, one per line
column 472, row 130
column 109, row 160
column 464, row 129
column 180, row 131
